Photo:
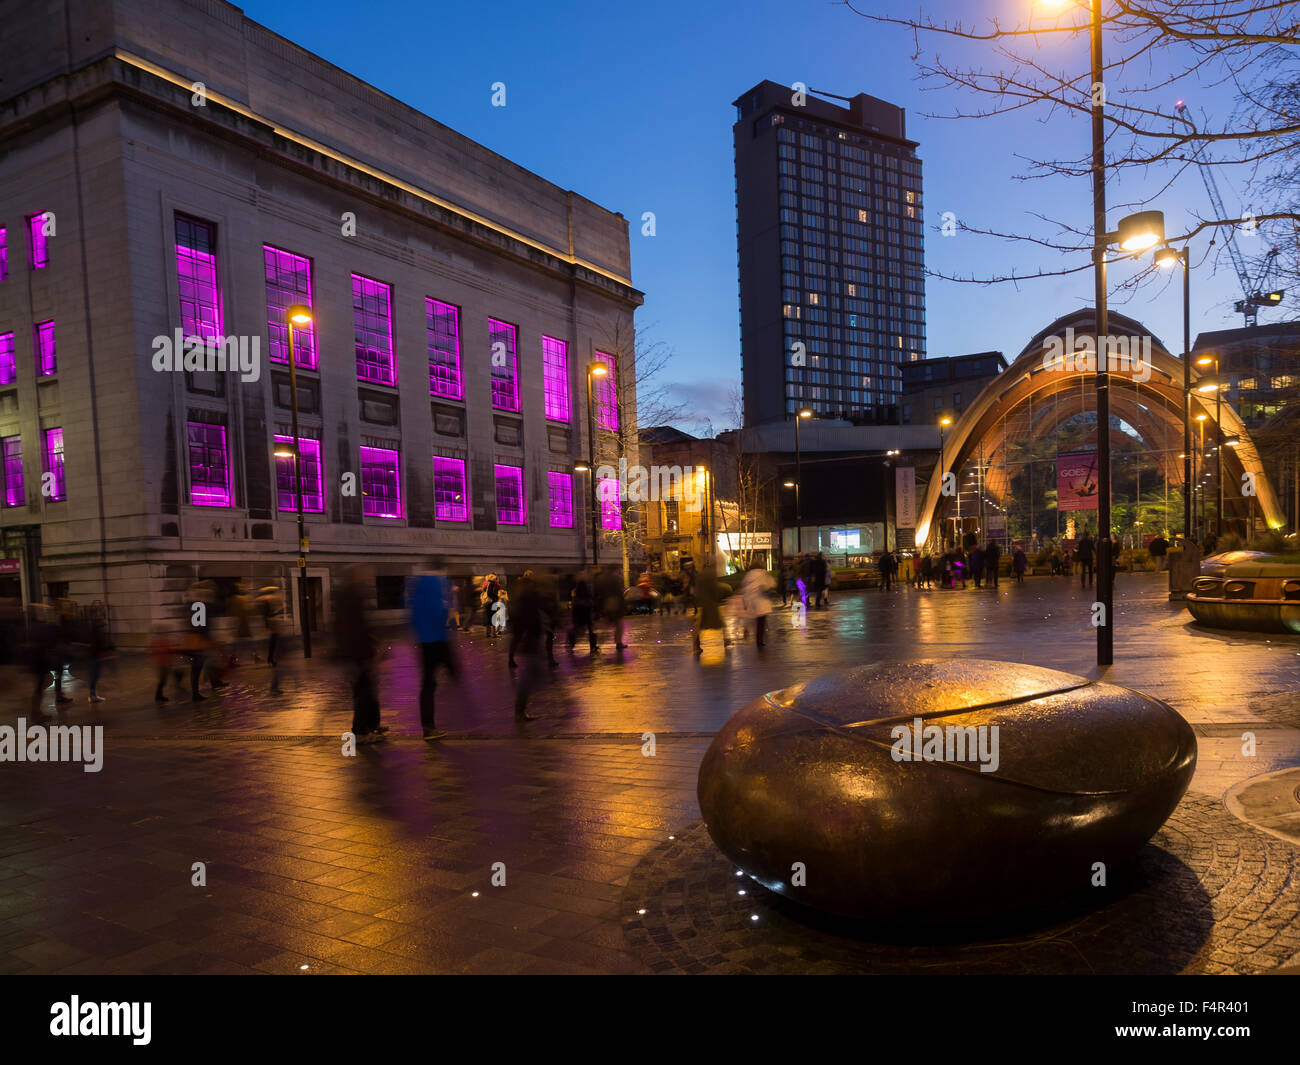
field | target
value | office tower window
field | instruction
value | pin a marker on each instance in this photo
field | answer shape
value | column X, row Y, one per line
column 381, row 482
column 611, row 514
column 442, row 325
column 4, row 253
column 38, row 242
column 196, row 276
column 313, row 479
column 288, row 281
column 605, row 393
column 11, row 450
column 560, row 488
column 8, row 360
column 209, row 465
column 511, row 505
column 505, row 369
column 450, row 492
column 555, row 378
column 372, row 325
column 47, row 362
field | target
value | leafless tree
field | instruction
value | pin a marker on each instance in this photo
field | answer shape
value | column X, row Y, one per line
column 1153, row 49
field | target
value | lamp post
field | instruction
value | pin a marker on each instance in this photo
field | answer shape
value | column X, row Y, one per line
column 944, row 422
column 1200, row 454
column 1166, row 257
column 1213, row 360
column 298, row 314
column 706, row 523
column 595, row 369
column 798, row 480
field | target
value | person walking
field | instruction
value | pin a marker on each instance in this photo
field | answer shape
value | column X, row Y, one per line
column 580, row 615
column 100, row 647
column 356, row 647
column 755, row 591
column 820, row 577
column 429, row 606
column 162, row 656
column 1086, row 554
column 1019, row 563
column 787, row 581
column 1159, row 548
column 270, row 605
column 526, row 630
column 977, row 565
column 491, row 594
column 992, row 559
column 612, row 603
column 927, row 571
column 43, row 653
column 709, row 613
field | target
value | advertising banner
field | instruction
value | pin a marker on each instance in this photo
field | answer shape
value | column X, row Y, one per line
column 1076, row 480
column 905, row 497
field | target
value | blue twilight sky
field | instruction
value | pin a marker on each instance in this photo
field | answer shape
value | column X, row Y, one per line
column 629, row 104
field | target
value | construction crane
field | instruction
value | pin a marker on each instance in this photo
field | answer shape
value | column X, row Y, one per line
column 1252, row 289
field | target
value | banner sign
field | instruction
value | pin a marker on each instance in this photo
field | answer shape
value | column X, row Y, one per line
column 905, row 497
column 1076, row 481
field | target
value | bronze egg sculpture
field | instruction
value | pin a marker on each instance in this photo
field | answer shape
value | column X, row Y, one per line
column 943, row 791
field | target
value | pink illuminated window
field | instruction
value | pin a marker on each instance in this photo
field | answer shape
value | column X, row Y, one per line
column 372, row 325
column 196, row 276
column 11, row 450
column 505, row 376
column 8, row 360
column 54, row 463
column 381, row 482
column 512, row 509
column 560, row 487
column 611, row 514
column 286, row 486
column 288, row 281
column 442, row 322
column 38, row 241
column 47, row 361
column 209, row 465
column 605, row 393
column 450, row 493
column 4, row 253
column 555, row 378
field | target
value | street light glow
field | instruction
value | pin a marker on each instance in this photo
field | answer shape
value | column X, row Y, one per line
column 598, row 369
column 299, row 314
column 1140, row 231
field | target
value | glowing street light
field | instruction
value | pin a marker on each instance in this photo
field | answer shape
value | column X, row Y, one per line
column 299, row 314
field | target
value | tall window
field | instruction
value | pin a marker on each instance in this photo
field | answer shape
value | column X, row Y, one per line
column 372, row 324
column 381, row 482
column 47, row 361
column 442, row 323
column 8, row 360
column 560, row 487
column 38, row 243
column 605, row 393
column 505, row 378
column 54, row 464
column 555, row 378
column 4, row 253
column 512, row 509
column 288, row 281
column 611, row 515
column 196, row 276
column 11, row 453
column 209, row 465
column 313, row 496
column 450, row 493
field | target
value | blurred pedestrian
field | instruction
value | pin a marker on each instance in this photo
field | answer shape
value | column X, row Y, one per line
column 612, row 604
column 755, row 592
column 99, row 645
column 992, row 559
column 526, row 626
column 355, row 637
column 162, row 656
column 709, row 616
column 42, row 653
column 581, row 612
column 1019, row 563
column 430, row 612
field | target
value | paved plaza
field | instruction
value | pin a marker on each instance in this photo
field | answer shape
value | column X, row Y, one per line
column 385, row 862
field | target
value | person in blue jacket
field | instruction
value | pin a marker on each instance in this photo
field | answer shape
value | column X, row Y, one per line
column 430, row 604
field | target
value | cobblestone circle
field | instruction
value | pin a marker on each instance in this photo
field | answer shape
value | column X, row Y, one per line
column 1206, row 895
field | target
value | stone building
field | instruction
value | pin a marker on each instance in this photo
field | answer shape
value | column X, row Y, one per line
column 172, row 170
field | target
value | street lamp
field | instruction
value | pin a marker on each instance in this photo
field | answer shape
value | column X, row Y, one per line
column 300, row 315
column 1136, row 233
column 1166, row 257
column 595, row 369
column 798, row 480
column 706, row 525
column 944, row 422
column 1200, row 454
column 1215, row 384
